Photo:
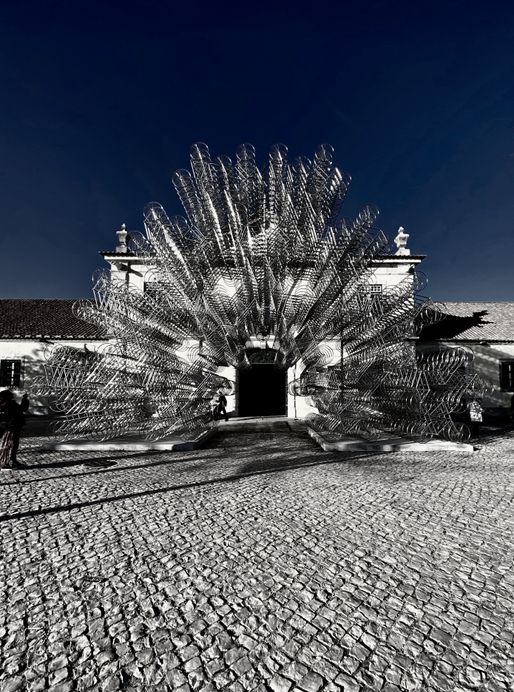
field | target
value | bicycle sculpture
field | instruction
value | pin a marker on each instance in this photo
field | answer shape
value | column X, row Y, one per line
column 261, row 252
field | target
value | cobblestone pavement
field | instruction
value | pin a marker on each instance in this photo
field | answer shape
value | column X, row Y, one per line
column 259, row 563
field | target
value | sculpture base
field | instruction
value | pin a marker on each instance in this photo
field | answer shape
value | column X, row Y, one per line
column 134, row 444
column 388, row 444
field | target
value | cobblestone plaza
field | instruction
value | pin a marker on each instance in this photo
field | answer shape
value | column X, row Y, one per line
column 258, row 563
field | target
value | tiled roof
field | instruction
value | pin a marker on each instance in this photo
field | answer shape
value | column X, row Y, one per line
column 399, row 257
column 117, row 253
column 42, row 318
column 54, row 319
column 480, row 321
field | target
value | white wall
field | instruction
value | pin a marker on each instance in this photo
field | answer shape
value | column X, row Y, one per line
column 486, row 364
column 392, row 273
column 298, row 406
column 229, row 372
column 137, row 276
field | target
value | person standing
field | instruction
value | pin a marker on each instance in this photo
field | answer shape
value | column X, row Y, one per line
column 222, row 406
column 475, row 411
column 14, row 421
column 25, row 403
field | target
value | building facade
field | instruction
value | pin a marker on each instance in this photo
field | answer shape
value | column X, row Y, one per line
column 265, row 389
column 487, row 330
column 31, row 328
column 28, row 331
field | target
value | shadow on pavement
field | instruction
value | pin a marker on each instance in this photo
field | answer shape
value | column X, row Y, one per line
column 107, row 463
column 275, row 466
column 493, row 433
column 88, row 461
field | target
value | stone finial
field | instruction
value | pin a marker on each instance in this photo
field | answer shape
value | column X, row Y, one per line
column 122, row 239
column 401, row 242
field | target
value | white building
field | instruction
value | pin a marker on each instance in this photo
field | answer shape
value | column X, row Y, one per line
column 487, row 329
column 30, row 327
column 27, row 329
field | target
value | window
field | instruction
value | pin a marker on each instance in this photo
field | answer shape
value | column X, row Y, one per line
column 150, row 286
column 10, row 373
column 507, row 376
column 371, row 289
column 154, row 290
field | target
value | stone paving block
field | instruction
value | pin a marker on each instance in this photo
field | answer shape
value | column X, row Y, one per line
column 258, row 558
column 280, row 684
column 312, row 682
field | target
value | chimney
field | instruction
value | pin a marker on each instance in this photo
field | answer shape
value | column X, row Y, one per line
column 122, row 239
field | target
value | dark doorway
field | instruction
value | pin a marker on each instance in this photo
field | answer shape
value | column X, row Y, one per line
column 262, row 390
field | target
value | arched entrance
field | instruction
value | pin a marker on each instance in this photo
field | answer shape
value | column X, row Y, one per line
column 262, row 389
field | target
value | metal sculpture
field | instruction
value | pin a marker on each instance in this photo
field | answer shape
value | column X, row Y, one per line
column 262, row 253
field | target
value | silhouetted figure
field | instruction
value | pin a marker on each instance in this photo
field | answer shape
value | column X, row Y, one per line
column 24, row 403
column 475, row 411
column 222, row 406
column 14, row 421
column 512, row 408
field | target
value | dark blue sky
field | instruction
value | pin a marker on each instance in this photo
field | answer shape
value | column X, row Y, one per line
column 100, row 102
